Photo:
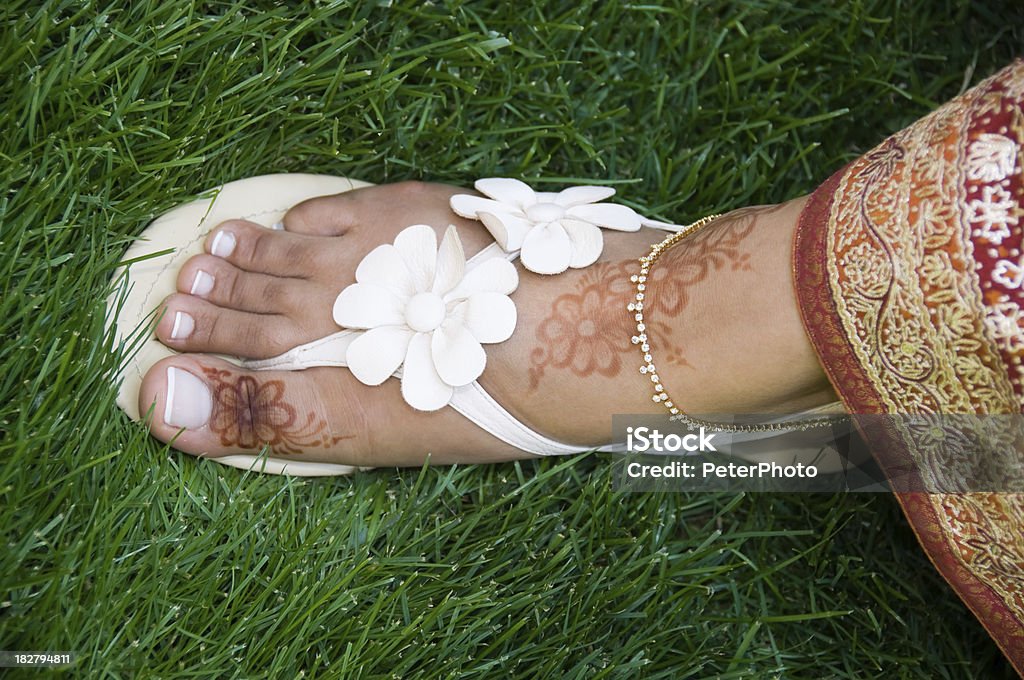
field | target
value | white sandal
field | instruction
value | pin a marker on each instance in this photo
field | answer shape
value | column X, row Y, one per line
column 551, row 232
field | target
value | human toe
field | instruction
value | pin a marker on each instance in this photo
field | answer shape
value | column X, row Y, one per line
column 225, row 285
column 191, row 324
column 206, row 406
column 253, row 248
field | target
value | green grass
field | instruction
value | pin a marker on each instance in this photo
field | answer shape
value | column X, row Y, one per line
column 146, row 562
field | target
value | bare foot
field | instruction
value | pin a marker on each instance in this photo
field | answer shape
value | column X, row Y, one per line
column 721, row 308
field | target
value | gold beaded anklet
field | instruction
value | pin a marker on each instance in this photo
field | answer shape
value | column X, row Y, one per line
column 640, row 339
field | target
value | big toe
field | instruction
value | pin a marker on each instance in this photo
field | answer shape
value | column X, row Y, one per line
column 208, row 407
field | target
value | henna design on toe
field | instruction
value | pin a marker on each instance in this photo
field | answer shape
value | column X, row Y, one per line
column 249, row 413
column 587, row 331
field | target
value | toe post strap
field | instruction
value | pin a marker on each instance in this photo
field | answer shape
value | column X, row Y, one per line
column 327, row 351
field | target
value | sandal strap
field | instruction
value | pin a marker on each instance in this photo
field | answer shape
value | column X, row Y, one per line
column 471, row 400
column 477, row 405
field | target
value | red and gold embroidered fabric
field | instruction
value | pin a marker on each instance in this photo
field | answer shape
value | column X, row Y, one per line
column 909, row 271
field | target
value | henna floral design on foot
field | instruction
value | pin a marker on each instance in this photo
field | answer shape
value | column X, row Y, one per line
column 576, row 333
column 249, row 413
column 587, row 332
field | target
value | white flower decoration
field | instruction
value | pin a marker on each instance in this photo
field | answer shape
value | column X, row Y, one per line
column 552, row 231
column 421, row 309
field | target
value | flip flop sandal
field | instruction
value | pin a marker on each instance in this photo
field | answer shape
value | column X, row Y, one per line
column 419, row 310
column 179, row 235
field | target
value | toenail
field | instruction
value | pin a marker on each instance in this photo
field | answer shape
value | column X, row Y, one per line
column 277, row 226
column 202, row 284
column 223, row 244
column 188, row 403
column 184, row 324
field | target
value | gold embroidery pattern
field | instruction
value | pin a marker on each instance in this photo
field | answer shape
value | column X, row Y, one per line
column 915, row 335
column 986, row 536
column 927, row 279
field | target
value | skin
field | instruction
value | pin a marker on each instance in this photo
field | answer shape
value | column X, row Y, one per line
column 720, row 308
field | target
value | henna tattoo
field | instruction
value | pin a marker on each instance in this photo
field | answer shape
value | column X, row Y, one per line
column 683, row 268
column 579, row 333
column 249, row 413
column 587, row 331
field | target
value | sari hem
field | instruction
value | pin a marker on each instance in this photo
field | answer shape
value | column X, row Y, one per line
column 825, row 331
column 908, row 269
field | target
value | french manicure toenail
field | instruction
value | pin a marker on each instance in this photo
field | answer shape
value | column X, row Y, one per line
column 188, row 400
column 202, row 284
column 189, row 403
column 223, row 244
column 184, row 324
